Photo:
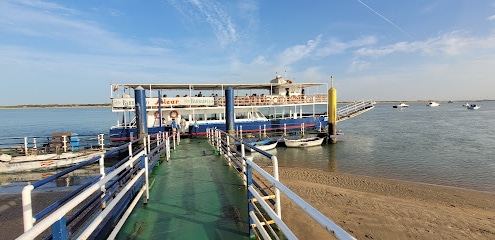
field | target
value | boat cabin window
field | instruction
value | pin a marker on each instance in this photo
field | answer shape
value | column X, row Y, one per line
column 199, row 117
column 241, row 115
column 213, row 116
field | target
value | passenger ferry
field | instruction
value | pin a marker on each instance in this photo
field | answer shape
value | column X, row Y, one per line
column 280, row 105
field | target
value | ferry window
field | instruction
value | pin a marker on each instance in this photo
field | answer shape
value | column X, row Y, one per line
column 242, row 115
column 199, row 117
column 213, row 116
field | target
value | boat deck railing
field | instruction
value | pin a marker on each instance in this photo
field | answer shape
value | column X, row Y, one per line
column 84, row 212
column 56, row 143
column 259, row 101
column 265, row 211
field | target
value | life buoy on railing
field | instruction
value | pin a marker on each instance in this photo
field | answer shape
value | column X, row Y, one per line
column 309, row 99
column 275, row 100
column 157, row 115
column 294, row 99
column 173, row 114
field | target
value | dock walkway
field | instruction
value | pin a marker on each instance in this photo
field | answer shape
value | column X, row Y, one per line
column 194, row 195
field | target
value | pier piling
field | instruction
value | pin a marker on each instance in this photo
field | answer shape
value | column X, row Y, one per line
column 332, row 113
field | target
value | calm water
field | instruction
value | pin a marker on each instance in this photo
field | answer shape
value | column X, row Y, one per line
column 447, row 145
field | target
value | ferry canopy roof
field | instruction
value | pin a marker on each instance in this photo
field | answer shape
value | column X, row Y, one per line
column 265, row 86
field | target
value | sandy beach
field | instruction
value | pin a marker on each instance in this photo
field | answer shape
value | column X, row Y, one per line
column 368, row 208
column 373, row 208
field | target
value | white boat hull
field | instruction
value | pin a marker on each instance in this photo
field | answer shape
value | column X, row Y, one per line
column 266, row 147
column 44, row 162
column 304, row 142
column 474, row 107
column 433, row 104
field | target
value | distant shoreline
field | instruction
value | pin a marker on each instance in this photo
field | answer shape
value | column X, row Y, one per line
column 105, row 105
column 102, row 105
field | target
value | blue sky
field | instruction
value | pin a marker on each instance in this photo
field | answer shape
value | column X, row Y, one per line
column 64, row 52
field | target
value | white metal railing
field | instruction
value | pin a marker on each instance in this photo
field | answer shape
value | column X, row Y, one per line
column 142, row 160
column 261, row 202
column 353, row 108
column 50, row 144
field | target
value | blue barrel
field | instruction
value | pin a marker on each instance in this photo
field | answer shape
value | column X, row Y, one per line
column 74, row 143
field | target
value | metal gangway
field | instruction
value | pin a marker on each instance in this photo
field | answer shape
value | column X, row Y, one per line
column 99, row 204
column 102, row 207
column 264, row 191
column 354, row 109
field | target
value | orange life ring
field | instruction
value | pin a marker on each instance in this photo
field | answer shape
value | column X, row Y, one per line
column 309, row 99
column 173, row 114
column 275, row 100
column 157, row 115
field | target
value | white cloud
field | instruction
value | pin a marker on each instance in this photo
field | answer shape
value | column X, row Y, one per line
column 491, row 18
column 358, row 66
column 298, row 52
column 214, row 14
column 450, row 44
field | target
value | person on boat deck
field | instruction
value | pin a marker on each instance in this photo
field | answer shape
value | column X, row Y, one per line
column 182, row 125
column 286, row 92
column 196, row 127
column 163, row 121
column 302, row 92
column 200, row 94
column 174, row 126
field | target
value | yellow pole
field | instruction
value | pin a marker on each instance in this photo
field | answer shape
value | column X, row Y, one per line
column 332, row 113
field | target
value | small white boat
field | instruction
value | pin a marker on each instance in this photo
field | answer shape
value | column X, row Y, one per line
column 473, row 107
column 433, row 104
column 264, row 145
column 466, row 105
column 304, row 142
column 9, row 164
column 62, row 150
column 401, row 105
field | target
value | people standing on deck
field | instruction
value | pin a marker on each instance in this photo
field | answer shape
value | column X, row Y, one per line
column 196, row 127
column 287, row 92
column 215, row 99
column 183, row 125
column 200, row 94
column 174, row 126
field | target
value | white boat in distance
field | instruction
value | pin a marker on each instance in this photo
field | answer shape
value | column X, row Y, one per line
column 473, row 107
column 401, row 105
column 466, row 105
column 433, row 104
column 303, row 142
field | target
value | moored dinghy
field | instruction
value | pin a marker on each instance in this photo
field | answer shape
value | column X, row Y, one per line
column 304, row 142
column 401, row 105
column 473, row 107
column 264, row 145
column 433, row 104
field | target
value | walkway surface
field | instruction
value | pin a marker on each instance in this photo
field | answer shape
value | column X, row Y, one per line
column 195, row 195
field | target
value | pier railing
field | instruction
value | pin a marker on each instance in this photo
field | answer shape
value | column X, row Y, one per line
column 104, row 202
column 265, row 211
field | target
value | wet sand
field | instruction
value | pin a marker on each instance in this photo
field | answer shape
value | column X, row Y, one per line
column 373, row 208
column 368, row 208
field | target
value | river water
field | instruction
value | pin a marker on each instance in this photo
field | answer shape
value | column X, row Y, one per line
column 446, row 145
